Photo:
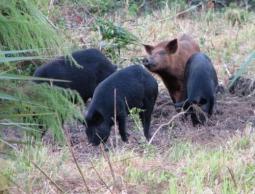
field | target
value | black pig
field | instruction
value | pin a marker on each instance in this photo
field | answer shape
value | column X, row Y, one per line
column 134, row 87
column 95, row 67
column 201, row 85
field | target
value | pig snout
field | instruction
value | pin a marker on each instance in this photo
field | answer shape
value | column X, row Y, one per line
column 148, row 63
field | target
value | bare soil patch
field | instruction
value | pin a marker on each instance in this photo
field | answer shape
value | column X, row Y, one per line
column 231, row 116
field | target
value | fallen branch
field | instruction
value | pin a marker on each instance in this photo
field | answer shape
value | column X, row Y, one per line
column 166, row 124
column 44, row 173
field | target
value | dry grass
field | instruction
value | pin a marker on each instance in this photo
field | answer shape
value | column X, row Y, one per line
column 184, row 168
column 223, row 42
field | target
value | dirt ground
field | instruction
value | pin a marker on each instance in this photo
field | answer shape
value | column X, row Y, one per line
column 232, row 115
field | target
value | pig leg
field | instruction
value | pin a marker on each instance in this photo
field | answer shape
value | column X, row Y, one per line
column 194, row 118
column 208, row 107
column 212, row 101
column 122, row 127
column 145, row 117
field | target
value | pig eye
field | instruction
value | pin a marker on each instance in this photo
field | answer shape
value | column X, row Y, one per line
column 162, row 52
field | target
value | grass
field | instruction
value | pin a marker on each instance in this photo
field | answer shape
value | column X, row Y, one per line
column 33, row 107
column 188, row 168
column 185, row 167
column 23, row 26
column 223, row 42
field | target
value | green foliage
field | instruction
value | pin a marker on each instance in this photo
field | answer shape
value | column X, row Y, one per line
column 23, row 26
column 114, row 37
column 134, row 114
column 119, row 36
column 27, row 35
column 32, row 106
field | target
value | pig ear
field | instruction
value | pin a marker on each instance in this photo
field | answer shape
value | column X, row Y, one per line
column 148, row 48
column 172, row 46
column 98, row 118
column 95, row 118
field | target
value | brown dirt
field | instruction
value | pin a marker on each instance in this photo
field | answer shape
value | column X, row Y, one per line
column 231, row 115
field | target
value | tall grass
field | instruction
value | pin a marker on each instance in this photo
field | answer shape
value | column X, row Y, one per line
column 32, row 107
column 23, row 26
column 26, row 34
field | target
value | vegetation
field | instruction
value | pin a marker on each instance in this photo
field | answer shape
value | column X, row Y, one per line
column 35, row 31
column 23, row 27
column 185, row 168
column 26, row 35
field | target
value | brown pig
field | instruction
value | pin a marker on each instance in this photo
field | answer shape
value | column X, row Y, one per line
column 168, row 60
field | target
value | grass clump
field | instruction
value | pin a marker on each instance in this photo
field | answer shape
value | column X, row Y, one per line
column 35, row 108
column 23, row 26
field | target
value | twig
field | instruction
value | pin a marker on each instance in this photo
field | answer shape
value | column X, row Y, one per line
column 115, row 119
column 226, row 69
column 108, row 161
column 166, row 124
column 76, row 162
column 232, row 176
column 35, row 165
column 100, row 178
column 44, row 173
column 51, row 23
column 10, row 145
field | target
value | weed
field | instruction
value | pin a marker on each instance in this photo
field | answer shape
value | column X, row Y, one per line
column 180, row 151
